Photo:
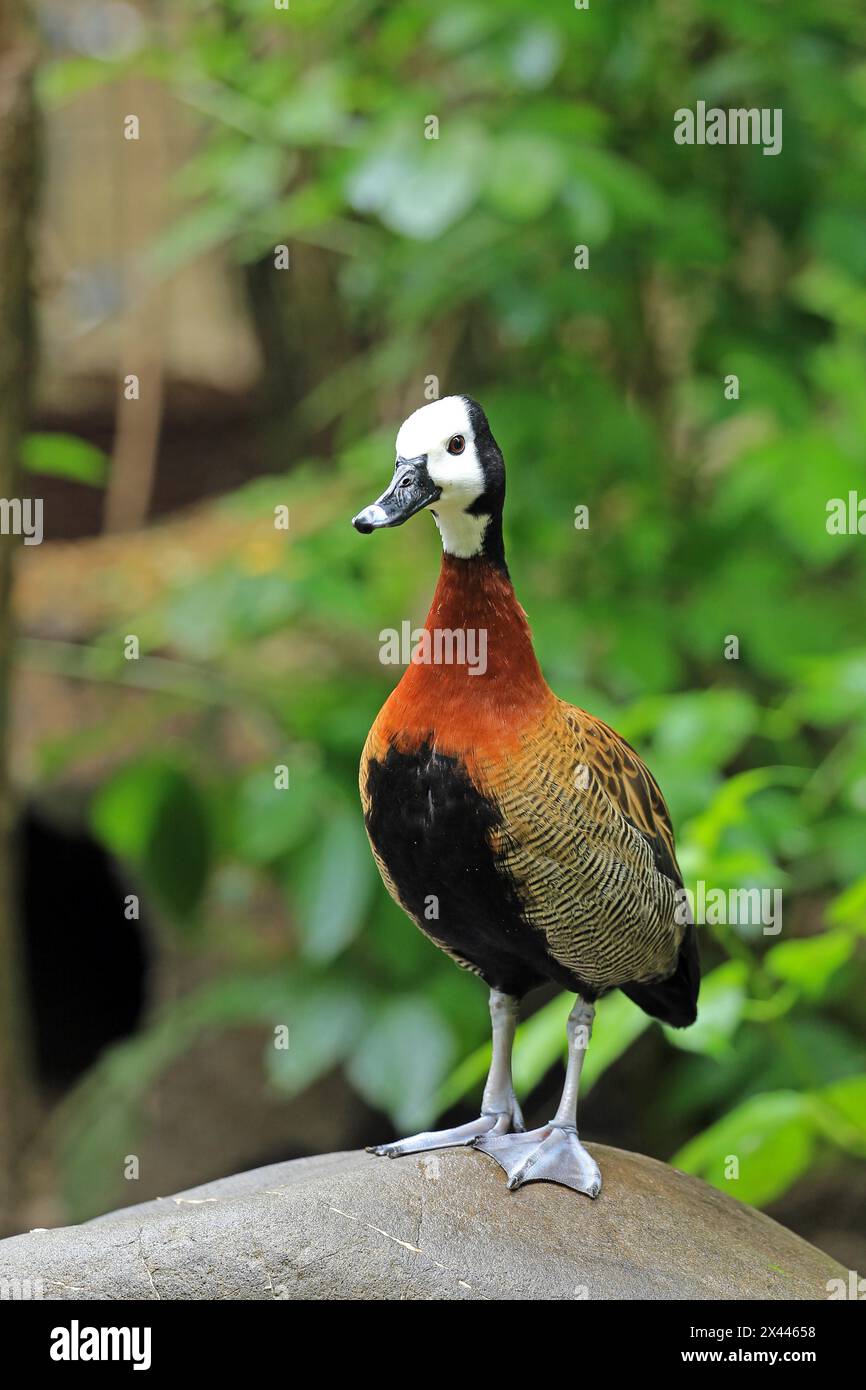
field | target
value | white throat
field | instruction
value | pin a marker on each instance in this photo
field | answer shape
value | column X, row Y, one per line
column 462, row 534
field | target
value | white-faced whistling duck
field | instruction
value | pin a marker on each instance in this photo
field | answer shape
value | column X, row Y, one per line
column 534, row 830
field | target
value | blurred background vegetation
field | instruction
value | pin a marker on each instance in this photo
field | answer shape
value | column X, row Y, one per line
column 410, row 259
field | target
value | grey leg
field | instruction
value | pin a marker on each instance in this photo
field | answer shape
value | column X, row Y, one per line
column 579, row 1031
column 499, row 1108
column 553, row 1153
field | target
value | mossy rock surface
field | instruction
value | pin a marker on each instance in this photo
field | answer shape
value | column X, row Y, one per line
column 432, row 1226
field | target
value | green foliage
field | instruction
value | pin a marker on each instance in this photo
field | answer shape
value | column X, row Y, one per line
column 402, row 1057
column 771, row 1139
column 64, row 456
column 153, row 815
column 335, row 887
column 455, row 257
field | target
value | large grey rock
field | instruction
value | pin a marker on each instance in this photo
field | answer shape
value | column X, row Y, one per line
column 432, row 1226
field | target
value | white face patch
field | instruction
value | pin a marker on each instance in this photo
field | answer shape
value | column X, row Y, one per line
column 460, row 476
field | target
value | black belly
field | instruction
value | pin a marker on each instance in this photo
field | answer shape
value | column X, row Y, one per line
column 431, row 828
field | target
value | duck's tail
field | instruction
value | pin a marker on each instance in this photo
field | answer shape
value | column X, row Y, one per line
column 674, row 1000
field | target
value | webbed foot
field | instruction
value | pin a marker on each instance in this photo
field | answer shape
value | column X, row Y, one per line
column 550, row 1154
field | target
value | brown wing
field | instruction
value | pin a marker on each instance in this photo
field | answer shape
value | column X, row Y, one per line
column 632, row 788
column 576, row 840
column 629, row 784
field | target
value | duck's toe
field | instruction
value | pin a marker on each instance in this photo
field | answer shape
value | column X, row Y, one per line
column 486, row 1125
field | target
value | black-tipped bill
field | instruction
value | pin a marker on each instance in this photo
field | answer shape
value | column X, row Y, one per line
column 410, row 490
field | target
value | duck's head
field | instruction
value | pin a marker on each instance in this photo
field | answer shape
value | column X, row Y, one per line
column 449, row 463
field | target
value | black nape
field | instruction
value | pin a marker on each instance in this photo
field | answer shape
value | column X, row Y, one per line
column 492, row 543
column 492, row 500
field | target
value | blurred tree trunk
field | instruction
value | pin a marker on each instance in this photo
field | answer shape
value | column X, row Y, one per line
column 141, row 219
column 299, row 344
column 18, row 183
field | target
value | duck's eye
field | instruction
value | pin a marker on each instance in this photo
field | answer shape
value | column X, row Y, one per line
column 456, row 444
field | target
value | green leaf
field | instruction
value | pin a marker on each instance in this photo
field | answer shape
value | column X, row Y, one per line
column 525, row 175
column 324, row 1022
column 706, row 729
column 827, row 290
column 841, row 1110
column 271, row 820
column 123, row 811
column 768, row 1141
column 536, row 54
column 810, row 963
column 401, row 1060
column 314, row 112
column 849, row 908
column 178, row 855
column 152, row 814
column 624, row 185
column 729, row 804
column 420, row 187
column 64, row 456
column 335, row 887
